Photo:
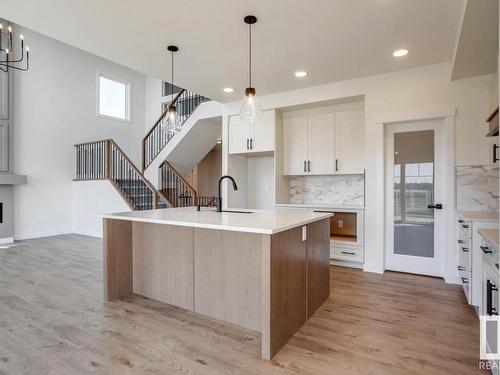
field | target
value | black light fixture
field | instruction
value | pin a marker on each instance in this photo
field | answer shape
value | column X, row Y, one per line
column 250, row 107
column 7, row 50
column 173, row 121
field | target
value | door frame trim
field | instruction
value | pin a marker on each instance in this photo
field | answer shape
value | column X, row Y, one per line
column 448, row 115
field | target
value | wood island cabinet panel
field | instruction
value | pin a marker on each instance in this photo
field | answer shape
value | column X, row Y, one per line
column 163, row 263
column 227, row 276
column 117, row 253
column 318, row 265
column 288, row 286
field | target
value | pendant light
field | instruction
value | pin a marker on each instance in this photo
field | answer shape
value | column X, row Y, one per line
column 250, row 108
column 173, row 121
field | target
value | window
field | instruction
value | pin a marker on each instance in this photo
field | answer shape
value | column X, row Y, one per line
column 113, row 98
column 169, row 89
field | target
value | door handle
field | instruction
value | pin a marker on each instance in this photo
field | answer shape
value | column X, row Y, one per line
column 460, row 241
column 465, row 249
column 495, row 156
column 309, row 166
column 348, row 253
column 248, row 144
column 251, row 143
column 437, row 206
column 460, row 268
column 336, row 165
column 305, row 166
column 465, row 280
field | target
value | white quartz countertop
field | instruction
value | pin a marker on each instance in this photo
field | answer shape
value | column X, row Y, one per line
column 322, row 205
column 484, row 216
column 258, row 221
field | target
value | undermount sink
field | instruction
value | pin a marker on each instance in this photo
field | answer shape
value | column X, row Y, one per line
column 237, row 212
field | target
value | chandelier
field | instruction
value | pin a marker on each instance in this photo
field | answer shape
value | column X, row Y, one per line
column 10, row 58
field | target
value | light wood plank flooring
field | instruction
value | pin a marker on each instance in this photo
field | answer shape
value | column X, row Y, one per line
column 53, row 321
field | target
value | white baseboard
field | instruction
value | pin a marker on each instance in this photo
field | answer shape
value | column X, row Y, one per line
column 29, row 236
column 6, row 240
column 371, row 267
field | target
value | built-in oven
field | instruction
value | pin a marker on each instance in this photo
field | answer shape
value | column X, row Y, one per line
column 346, row 226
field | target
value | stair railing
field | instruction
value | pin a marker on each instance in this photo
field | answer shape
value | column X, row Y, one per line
column 105, row 160
column 174, row 188
column 159, row 135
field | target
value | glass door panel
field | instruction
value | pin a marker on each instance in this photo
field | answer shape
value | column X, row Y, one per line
column 413, row 179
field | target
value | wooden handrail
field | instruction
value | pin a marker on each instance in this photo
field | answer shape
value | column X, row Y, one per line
column 89, row 143
column 178, row 174
column 162, row 116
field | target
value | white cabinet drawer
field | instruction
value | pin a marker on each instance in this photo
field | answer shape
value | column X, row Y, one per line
column 350, row 253
column 464, row 260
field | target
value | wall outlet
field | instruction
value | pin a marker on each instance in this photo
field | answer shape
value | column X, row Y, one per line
column 340, row 223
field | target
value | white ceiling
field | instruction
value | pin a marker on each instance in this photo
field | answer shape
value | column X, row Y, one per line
column 331, row 39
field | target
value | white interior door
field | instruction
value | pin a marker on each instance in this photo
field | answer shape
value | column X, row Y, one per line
column 295, row 145
column 320, row 150
column 415, row 225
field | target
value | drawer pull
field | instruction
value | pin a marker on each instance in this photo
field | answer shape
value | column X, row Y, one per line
column 461, row 241
column 465, row 226
column 348, row 253
column 465, row 280
column 465, row 249
column 486, row 250
column 460, row 268
column 460, row 221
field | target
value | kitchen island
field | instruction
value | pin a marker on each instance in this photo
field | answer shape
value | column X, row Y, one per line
column 267, row 271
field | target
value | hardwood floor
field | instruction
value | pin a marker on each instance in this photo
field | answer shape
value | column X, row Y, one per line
column 53, row 321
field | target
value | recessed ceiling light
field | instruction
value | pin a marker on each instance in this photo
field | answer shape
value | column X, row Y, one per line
column 228, row 89
column 400, row 52
column 300, row 74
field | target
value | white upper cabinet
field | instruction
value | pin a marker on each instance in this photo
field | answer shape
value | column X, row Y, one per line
column 239, row 136
column 324, row 144
column 349, row 142
column 295, row 135
column 320, row 148
column 247, row 137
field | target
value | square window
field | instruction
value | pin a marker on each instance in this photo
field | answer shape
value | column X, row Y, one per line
column 113, row 98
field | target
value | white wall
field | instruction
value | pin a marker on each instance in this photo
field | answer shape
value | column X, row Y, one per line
column 54, row 108
column 90, row 200
column 427, row 87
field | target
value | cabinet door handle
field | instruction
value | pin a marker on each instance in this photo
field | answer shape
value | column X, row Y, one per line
column 305, row 166
column 465, row 249
column 460, row 241
column 460, row 268
column 309, row 166
column 495, row 156
column 251, row 143
column 348, row 253
column 486, row 250
column 465, row 226
column 465, row 280
column 248, row 144
column 460, row 221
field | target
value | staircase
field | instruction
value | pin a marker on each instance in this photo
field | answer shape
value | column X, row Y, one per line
column 177, row 191
column 105, row 160
column 159, row 135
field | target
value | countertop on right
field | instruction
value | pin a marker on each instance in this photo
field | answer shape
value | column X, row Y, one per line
column 485, row 216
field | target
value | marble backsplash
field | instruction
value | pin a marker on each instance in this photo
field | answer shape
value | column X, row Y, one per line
column 341, row 189
column 477, row 187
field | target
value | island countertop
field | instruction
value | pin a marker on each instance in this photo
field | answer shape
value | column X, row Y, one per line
column 257, row 221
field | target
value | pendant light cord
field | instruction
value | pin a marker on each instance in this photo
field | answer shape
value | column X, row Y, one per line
column 172, row 83
column 250, row 55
